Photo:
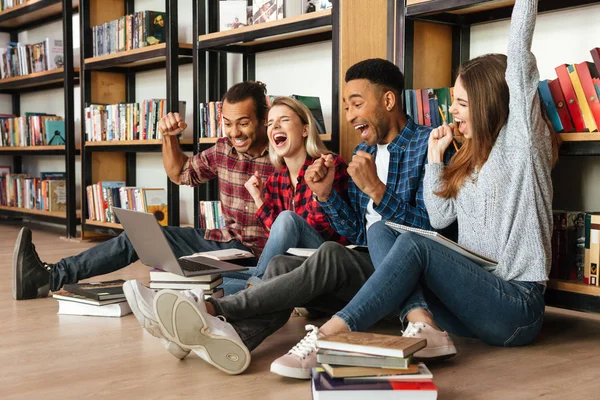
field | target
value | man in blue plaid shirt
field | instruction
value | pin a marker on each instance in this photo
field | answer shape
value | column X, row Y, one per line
column 386, row 172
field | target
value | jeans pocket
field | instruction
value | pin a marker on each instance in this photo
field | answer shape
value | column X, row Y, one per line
column 525, row 334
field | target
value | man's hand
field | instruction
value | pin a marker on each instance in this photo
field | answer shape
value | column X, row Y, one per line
column 254, row 185
column 320, row 175
column 363, row 171
column 171, row 125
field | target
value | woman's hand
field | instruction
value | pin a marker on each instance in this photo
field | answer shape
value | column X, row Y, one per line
column 254, row 186
column 439, row 140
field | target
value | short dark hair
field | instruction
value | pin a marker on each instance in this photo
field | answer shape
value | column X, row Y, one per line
column 380, row 72
column 257, row 91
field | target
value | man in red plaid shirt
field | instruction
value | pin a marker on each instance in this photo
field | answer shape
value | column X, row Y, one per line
column 232, row 161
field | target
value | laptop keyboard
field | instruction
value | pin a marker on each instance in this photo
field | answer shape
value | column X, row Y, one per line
column 188, row 265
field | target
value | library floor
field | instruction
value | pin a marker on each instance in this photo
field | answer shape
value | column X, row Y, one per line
column 46, row 356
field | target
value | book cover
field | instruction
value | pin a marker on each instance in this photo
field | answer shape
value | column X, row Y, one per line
column 587, row 72
column 181, row 284
column 485, row 262
column 119, row 309
column 549, row 106
column 156, row 203
column 566, row 86
column 372, row 343
column 313, row 103
column 348, row 358
column 232, row 14
column 264, row 11
column 344, row 371
column 155, row 31
column 57, row 191
column 561, row 105
column 55, row 132
column 163, row 276
column 223, row 255
column 588, row 118
column 98, row 290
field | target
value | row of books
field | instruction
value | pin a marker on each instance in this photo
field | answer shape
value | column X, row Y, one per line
column 429, row 107
column 210, row 119
column 126, row 121
column 104, row 195
column 576, row 247
column 571, row 100
column 19, row 59
column 31, row 129
column 6, row 4
column 356, row 365
column 134, row 31
column 237, row 13
column 47, row 193
column 209, row 284
column 211, row 215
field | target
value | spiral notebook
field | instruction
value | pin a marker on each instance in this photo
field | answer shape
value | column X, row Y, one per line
column 435, row 236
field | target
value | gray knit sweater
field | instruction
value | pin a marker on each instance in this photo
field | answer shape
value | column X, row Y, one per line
column 505, row 211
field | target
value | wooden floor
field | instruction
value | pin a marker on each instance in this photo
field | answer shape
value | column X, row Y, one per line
column 46, row 356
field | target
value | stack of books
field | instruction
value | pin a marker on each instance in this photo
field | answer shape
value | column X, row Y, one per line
column 355, row 365
column 167, row 280
column 100, row 299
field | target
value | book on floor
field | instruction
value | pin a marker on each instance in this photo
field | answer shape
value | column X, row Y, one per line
column 435, row 236
column 185, row 285
column 337, row 357
column 372, row 343
column 423, row 374
column 344, row 371
column 67, row 307
column 98, row 290
column 77, row 298
column 157, row 275
column 325, row 387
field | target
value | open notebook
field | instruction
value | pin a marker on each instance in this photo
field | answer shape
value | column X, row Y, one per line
column 435, row 236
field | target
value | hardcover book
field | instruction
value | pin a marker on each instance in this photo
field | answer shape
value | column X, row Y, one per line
column 119, row 309
column 314, row 105
column 372, row 343
column 55, row 132
column 232, row 14
column 348, row 358
column 344, row 371
column 98, row 290
column 264, row 11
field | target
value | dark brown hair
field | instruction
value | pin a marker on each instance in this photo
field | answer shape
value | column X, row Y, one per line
column 255, row 90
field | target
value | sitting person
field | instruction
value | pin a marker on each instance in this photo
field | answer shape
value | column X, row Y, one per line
column 285, row 203
column 385, row 182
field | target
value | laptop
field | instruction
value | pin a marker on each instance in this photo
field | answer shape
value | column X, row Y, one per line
column 152, row 247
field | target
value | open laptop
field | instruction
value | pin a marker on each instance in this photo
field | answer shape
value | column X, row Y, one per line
column 152, row 247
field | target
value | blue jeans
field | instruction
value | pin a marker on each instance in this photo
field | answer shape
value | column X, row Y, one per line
column 118, row 253
column 288, row 230
column 414, row 272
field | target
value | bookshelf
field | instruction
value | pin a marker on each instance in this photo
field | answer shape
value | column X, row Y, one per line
column 356, row 29
column 110, row 79
column 33, row 14
column 445, row 26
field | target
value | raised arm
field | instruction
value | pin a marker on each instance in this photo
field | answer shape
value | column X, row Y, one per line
column 522, row 76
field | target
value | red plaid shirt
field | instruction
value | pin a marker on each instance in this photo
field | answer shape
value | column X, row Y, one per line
column 232, row 169
column 279, row 195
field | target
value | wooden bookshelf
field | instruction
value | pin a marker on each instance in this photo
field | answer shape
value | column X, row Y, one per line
column 580, row 137
column 55, row 214
column 110, row 225
column 40, row 149
column 133, row 142
column 32, row 12
column 305, row 25
column 573, row 287
column 326, row 138
column 137, row 58
column 36, row 80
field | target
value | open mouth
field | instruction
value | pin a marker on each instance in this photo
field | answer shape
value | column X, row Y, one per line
column 459, row 127
column 239, row 141
column 364, row 130
column 279, row 139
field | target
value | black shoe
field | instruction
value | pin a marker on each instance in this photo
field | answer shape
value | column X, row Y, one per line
column 31, row 277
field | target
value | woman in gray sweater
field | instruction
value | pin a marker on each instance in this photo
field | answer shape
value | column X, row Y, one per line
column 498, row 187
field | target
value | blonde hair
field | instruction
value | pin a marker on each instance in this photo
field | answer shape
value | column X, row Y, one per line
column 313, row 144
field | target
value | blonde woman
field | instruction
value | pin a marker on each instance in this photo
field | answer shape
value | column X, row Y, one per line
column 285, row 203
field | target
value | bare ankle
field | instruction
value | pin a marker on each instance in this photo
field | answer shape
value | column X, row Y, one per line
column 333, row 326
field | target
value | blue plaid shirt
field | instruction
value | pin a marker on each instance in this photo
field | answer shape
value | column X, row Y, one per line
column 403, row 199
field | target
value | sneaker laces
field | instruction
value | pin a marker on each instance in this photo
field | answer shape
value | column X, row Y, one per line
column 308, row 344
column 47, row 267
column 413, row 329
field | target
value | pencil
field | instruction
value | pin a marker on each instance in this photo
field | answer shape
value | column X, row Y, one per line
column 444, row 119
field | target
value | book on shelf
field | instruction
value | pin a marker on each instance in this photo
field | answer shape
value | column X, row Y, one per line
column 561, row 106
column 57, row 193
column 315, row 5
column 181, row 284
column 372, row 343
column 438, row 238
column 264, row 11
column 55, row 132
column 337, row 357
column 106, row 290
column 232, row 14
column 164, row 276
column 313, row 103
column 156, row 203
column 347, row 371
column 325, row 387
column 586, row 112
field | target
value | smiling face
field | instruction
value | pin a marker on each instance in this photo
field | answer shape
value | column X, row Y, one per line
column 242, row 127
column 460, row 110
column 365, row 111
column 287, row 134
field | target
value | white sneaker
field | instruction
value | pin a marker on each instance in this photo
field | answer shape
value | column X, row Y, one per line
column 141, row 300
column 439, row 344
column 183, row 319
column 299, row 361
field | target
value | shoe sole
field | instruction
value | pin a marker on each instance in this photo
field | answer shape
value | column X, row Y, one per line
column 435, row 354
column 181, row 322
column 152, row 327
column 17, row 273
column 290, row 372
